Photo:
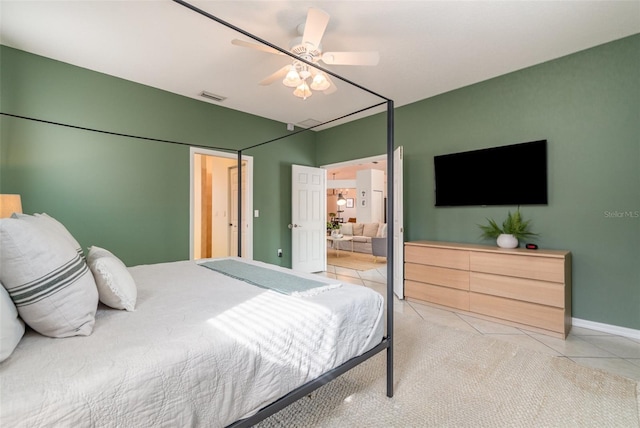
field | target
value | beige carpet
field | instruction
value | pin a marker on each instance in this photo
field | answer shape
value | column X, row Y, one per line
column 357, row 261
column 451, row 378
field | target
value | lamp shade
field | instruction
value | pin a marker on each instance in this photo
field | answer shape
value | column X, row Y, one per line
column 320, row 82
column 303, row 91
column 341, row 200
column 10, row 204
column 292, row 79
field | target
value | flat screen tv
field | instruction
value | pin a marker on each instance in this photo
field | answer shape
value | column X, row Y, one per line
column 505, row 175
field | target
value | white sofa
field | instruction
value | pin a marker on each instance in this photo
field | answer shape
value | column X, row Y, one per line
column 362, row 234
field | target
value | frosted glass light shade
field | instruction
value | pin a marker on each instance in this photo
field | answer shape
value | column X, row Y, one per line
column 320, row 82
column 303, row 91
column 292, row 79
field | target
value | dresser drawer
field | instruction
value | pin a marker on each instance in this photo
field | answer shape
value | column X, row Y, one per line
column 438, row 276
column 540, row 268
column 545, row 317
column 444, row 296
column 529, row 289
column 541, row 292
column 454, row 259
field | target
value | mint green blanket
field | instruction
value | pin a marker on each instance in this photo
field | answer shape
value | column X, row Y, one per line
column 271, row 279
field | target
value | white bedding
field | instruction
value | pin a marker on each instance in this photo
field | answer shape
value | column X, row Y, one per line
column 200, row 349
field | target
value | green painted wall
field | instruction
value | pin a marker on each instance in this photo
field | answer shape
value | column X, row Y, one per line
column 272, row 196
column 587, row 105
column 129, row 195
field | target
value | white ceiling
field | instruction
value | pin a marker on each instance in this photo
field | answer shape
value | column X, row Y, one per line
column 348, row 170
column 426, row 47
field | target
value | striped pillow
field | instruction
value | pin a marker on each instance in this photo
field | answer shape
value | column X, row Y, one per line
column 56, row 225
column 46, row 277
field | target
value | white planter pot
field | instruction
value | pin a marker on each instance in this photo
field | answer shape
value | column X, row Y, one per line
column 507, row 241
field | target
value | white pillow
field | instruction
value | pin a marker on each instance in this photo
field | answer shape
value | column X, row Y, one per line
column 346, row 228
column 49, row 282
column 382, row 231
column 64, row 233
column 11, row 326
column 116, row 286
column 358, row 229
column 370, row 230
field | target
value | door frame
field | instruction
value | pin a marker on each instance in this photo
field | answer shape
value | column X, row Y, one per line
column 398, row 221
column 399, row 248
column 247, row 205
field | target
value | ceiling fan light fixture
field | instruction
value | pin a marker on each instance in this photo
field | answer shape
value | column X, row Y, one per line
column 305, row 73
column 306, row 50
column 292, row 79
column 320, row 82
column 303, row 91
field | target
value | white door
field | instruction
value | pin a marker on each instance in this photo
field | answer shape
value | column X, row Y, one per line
column 308, row 219
column 398, row 226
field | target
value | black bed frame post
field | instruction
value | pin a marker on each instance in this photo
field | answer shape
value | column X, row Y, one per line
column 390, row 245
column 240, row 203
column 387, row 342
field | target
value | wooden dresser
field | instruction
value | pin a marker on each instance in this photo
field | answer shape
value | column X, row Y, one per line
column 530, row 289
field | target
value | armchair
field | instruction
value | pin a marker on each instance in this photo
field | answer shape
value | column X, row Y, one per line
column 378, row 248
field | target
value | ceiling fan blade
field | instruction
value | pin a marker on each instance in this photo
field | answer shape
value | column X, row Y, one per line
column 351, row 58
column 314, row 27
column 256, row 46
column 275, row 76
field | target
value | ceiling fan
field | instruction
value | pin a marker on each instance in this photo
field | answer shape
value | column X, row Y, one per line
column 308, row 47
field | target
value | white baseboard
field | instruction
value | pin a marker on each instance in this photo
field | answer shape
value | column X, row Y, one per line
column 606, row 328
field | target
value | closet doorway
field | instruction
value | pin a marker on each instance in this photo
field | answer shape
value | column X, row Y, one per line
column 214, row 222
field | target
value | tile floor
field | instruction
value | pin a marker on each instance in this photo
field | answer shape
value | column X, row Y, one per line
column 615, row 354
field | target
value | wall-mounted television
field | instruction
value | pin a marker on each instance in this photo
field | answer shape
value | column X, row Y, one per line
column 507, row 175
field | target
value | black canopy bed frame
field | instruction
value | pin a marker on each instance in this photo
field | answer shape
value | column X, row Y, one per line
column 387, row 341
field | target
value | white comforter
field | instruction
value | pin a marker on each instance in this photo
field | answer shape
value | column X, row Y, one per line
column 201, row 349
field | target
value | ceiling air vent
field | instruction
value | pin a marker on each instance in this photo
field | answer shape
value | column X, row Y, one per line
column 308, row 123
column 214, row 97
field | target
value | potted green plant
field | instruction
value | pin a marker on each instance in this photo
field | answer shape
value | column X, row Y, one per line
column 513, row 229
column 331, row 226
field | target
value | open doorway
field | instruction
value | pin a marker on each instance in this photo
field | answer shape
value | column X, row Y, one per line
column 356, row 197
column 214, row 222
column 364, row 199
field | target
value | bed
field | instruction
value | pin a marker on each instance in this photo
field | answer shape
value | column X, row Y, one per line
column 201, row 348
column 182, row 344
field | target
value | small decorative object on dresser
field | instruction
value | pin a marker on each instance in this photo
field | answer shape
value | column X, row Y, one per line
column 507, row 241
column 513, row 229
